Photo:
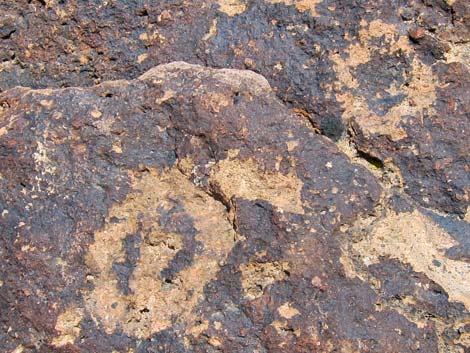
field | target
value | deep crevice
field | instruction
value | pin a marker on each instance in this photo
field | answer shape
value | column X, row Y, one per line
column 374, row 161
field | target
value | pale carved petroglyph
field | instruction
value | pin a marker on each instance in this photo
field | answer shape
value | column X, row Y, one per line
column 153, row 303
column 414, row 239
column 420, row 90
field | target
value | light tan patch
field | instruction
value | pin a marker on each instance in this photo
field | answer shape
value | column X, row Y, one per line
column 213, row 341
column 467, row 215
column 291, row 145
column 96, row 114
column 142, row 57
column 233, row 153
column 231, row 7
column 212, row 31
column 105, row 125
column 3, row 131
column 282, row 327
column 186, row 165
column 464, row 338
column 245, row 179
column 257, row 276
column 287, row 311
column 235, row 78
column 18, row 349
column 459, row 52
column 166, row 95
column 68, row 326
column 420, row 93
column 154, row 303
column 117, row 147
column 42, row 161
column 348, row 266
column 392, row 178
column 415, row 239
column 197, row 329
column 84, row 59
column 46, row 103
column 215, row 102
column 301, row 5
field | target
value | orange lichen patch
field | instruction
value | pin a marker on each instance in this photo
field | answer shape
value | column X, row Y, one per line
column 415, row 239
column 245, row 179
column 420, row 90
column 154, row 304
column 301, row 5
column 257, row 276
column 231, row 7
column 287, row 311
column 68, row 326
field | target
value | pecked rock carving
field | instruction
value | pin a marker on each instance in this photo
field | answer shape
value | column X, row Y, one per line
column 189, row 210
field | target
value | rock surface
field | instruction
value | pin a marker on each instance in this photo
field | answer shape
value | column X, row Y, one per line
column 383, row 72
column 189, row 210
column 320, row 206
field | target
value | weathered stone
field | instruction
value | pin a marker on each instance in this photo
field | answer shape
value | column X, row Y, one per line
column 116, row 196
column 335, row 62
column 186, row 210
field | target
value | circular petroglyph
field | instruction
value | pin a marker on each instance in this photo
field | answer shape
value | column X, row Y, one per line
column 153, row 304
column 199, row 226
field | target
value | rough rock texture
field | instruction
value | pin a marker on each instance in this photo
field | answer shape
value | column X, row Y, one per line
column 322, row 206
column 387, row 68
column 189, row 210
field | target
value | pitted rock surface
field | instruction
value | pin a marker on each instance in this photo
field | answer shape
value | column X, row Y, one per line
column 316, row 203
column 391, row 76
column 189, row 210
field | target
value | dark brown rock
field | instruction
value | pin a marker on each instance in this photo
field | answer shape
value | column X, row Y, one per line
column 87, row 258
column 190, row 211
column 334, row 61
column 416, row 33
